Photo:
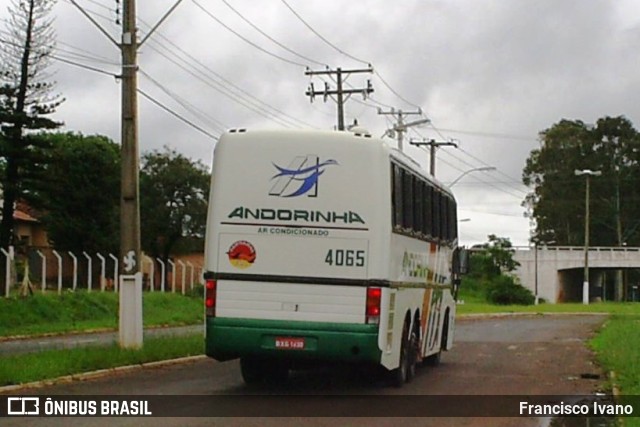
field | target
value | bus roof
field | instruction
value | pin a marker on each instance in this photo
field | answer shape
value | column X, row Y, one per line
column 357, row 133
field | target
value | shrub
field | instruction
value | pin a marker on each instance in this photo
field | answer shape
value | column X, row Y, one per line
column 504, row 290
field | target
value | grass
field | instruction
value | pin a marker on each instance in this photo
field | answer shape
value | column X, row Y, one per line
column 50, row 364
column 473, row 293
column 605, row 307
column 617, row 348
column 82, row 311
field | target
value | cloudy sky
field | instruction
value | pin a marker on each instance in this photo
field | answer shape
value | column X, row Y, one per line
column 488, row 74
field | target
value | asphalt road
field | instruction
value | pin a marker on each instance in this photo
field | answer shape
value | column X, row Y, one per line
column 493, row 356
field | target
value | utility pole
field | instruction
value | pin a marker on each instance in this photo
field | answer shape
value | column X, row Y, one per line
column 130, row 249
column 129, row 190
column 339, row 91
column 433, row 144
column 401, row 127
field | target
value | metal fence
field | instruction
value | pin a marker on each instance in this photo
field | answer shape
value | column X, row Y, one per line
column 49, row 269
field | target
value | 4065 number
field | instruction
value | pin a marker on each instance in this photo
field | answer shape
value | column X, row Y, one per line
column 345, row 258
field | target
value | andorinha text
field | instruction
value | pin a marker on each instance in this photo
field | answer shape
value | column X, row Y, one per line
column 296, row 215
column 562, row 408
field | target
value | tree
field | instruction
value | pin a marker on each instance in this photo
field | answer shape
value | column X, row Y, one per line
column 556, row 202
column 78, row 193
column 25, row 99
column 494, row 258
column 489, row 263
column 173, row 197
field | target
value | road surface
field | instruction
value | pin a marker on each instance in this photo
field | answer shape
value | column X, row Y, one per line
column 492, row 356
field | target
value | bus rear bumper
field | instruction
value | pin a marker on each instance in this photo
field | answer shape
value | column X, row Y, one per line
column 229, row 338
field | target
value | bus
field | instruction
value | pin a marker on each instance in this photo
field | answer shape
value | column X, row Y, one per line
column 326, row 246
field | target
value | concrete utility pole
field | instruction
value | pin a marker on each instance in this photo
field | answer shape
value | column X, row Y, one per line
column 340, row 92
column 130, row 250
column 433, row 144
column 129, row 191
column 401, row 127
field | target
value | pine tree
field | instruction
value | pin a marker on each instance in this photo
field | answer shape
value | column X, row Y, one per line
column 26, row 99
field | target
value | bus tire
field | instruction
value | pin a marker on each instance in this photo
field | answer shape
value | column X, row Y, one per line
column 252, row 369
column 435, row 359
column 399, row 375
column 413, row 355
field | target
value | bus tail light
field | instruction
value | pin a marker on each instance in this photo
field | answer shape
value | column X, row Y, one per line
column 210, row 297
column 372, row 314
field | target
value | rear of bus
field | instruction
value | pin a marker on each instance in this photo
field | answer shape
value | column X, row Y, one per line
column 293, row 233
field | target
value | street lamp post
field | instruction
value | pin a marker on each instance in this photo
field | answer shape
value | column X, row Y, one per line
column 585, row 284
column 482, row 169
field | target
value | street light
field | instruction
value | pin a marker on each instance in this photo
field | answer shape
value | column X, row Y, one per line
column 482, row 169
column 585, row 284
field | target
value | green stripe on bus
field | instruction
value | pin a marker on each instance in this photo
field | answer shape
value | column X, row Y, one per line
column 229, row 338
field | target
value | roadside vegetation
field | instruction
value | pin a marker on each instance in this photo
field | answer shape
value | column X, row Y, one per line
column 489, row 280
column 82, row 311
column 49, row 364
column 618, row 348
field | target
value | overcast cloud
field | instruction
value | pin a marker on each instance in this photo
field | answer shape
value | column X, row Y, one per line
column 490, row 74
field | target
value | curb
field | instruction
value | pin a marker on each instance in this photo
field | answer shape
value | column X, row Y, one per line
column 100, row 373
column 472, row 316
column 614, row 386
column 87, row 332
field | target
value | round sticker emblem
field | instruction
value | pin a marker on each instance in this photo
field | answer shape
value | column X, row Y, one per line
column 242, row 254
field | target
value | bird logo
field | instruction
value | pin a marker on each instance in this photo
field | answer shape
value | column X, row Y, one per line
column 300, row 177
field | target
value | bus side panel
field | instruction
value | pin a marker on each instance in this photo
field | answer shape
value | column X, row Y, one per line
column 402, row 303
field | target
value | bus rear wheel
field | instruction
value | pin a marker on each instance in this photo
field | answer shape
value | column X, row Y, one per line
column 405, row 372
column 434, row 359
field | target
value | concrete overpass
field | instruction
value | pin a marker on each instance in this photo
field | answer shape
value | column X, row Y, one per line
column 559, row 271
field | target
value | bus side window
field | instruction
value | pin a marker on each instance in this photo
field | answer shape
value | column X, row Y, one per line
column 444, row 217
column 428, row 210
column 396, row 196
column 407, row 199
column 435, row 209
column 418, row 185
column 453, row 220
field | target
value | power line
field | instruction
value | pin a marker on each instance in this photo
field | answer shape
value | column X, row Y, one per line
column 483, row 163
column 490, row 134
column 225, row 86
column 321, row 37
column 340, row 92
column 212, row 16
column 253, row 106
column 178, row 116
column 388, row 86
column 255, row 27
column 325, row 40
column 219, row 126
column 98, row 14
column 87, row 67
column 473, row 166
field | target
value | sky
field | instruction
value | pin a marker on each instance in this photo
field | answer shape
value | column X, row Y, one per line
column 488, row 74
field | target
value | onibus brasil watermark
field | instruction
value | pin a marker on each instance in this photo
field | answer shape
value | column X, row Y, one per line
column 51, row 407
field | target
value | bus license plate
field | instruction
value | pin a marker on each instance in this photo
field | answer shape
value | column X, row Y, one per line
column 290, row 343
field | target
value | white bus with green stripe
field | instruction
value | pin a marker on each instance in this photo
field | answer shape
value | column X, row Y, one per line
column 326, row 247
